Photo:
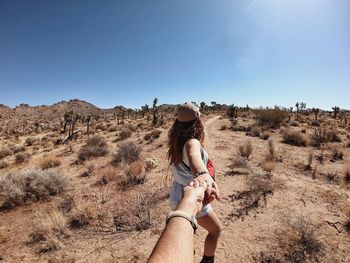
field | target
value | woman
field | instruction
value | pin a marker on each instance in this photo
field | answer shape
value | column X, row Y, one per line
column 188, row 161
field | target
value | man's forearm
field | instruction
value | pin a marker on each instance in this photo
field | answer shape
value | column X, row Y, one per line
column 175, row 243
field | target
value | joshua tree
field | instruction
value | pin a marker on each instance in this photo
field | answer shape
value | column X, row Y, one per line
column 297, row 105
column 290, row 113
column 316, row 111
column 87, row 120
column 155, row 111
column 202, row 105
column 144, row 109
column 302, row 106
column 336, row 110
column 70, row 120
column 232, row 111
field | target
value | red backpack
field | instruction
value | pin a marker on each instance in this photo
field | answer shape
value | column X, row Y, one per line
column 210, row 167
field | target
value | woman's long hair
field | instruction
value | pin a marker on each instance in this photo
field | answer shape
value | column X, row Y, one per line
column 179, row 133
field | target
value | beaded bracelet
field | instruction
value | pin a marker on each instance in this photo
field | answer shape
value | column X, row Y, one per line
column 200, row 173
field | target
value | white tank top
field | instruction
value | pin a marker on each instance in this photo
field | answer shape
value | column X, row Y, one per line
column 183, row 174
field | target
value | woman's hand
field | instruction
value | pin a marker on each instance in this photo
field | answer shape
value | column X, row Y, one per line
column 212, row 191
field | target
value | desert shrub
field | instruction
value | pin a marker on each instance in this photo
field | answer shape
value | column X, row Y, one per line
column 106, row 175
column 271, row 118
column 293, row 138
column 131, row 127
column 21, row 158
column 333, row 136
column 254, row 131
column 28, row 187
column 332, row 177
column 124, row 134
column 151, row 136
column 16, row 148
column 272, row 152
column 50, row 162
column 303, row 244
column 151, row 163
column 67, row 204
column 258, row 188
column 337, row 154
column 46, row 236
column 264, row 135
column 134, row 213
column 96, row 146
column 294, row 123
column 31, row 141
column 3, row 164
column 223, row 127
column 127, row 152
column 90, row 169
column 4, row 152
column 134, row 174
column 309, row 161
column 112, row 129
column 315, row 123
column 321, row 136
column 268, row 166
column 78, row 221
column 246, row 149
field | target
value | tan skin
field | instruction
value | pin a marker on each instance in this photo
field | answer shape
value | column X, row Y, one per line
column 210, row 222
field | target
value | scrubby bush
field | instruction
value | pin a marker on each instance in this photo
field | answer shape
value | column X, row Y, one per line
column 78, row 221
column 134, row 174
column 127, row 152
column 271, row 118
column 321, row 136
column 50, row 162
column 16, row 148
column 96, row 146
column 4, row 152
column 151, row 136
column 264, row 135
column 337, row 154
column 246, row 149
column 21, row 158
column 30, row 141
column 124, row 134
column 293, row 138
column 347, row 174
column 28, row 187
column 3, row 164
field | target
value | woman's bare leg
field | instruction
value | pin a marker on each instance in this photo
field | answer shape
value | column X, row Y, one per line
column 212, row 224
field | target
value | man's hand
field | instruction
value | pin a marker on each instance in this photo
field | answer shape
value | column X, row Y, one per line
column 212, row 190
column 192, row 200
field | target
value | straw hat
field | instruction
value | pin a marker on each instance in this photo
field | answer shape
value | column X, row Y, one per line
column 187, row 112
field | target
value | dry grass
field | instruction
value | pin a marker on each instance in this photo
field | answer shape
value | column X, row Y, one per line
column 337, row 153
column 246, row 149
column 309, row 161
column 50, row 162
column 48, row 234
column 124, row 134
column 31, row 141
column 4, row 152
column 79, row 220
column 153, row 135
column 28, row 187
column 268, row 166
column 107, row 174
column 134, row 174
column 271, row 118
column 3, row 164
column 128, row 153
column 293, row 138
column 96, row 146
column 21, row 158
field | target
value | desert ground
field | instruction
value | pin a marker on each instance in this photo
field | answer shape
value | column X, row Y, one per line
column 97, row 191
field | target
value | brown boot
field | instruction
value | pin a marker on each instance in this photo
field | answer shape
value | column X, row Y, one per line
column 207, row 259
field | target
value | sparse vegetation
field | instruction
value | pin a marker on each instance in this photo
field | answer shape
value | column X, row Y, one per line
column 3, row 164
column 96, row 146
column 127, row 152
column 271, row 118
column 28, row 187
column 124, row 134
column 151, row 136
column 50, row 162
column 294, row 138
column 4, row 152
column 21, row 158
column 246, row 149
column 347, row 174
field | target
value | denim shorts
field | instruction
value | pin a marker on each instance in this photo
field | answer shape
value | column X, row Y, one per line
column 176, row 194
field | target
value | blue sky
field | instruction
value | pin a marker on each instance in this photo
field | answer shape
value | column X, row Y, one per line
column 256, row 52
